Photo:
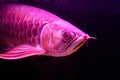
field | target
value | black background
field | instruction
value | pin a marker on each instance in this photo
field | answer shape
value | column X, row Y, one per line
column 100, row 60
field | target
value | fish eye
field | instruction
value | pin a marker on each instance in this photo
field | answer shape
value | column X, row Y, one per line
column 67, row 37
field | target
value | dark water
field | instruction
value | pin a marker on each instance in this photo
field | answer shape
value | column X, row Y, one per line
column 100, row 60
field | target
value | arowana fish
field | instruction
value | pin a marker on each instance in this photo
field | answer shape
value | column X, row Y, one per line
column 27, row 31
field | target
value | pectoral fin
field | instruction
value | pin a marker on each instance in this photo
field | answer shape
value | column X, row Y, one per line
column 22, row 51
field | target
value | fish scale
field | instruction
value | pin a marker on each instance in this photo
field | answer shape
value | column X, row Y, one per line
column 24, row 31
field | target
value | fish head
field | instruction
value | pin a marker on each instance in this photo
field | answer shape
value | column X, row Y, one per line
column 63, row 39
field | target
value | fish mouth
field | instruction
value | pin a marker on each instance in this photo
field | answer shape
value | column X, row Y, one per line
column 81, row 40
column 76, row 44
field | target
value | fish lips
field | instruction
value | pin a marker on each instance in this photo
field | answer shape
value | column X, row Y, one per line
column 77, row 44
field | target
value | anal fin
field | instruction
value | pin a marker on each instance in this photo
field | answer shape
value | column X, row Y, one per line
column 22, row 51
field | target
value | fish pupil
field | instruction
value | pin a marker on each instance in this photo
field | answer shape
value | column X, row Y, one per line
column 66, row 37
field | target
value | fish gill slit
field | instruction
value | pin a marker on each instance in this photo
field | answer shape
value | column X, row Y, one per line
column 39, row 31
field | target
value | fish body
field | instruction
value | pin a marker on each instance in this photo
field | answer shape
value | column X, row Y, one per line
column 28, row 31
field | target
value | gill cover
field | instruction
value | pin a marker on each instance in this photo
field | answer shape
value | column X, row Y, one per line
column 56, row 39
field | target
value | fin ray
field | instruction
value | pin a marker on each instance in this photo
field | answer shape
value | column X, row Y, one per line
column 22, row 51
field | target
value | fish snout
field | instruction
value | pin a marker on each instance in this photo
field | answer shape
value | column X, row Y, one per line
column 86, row 37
